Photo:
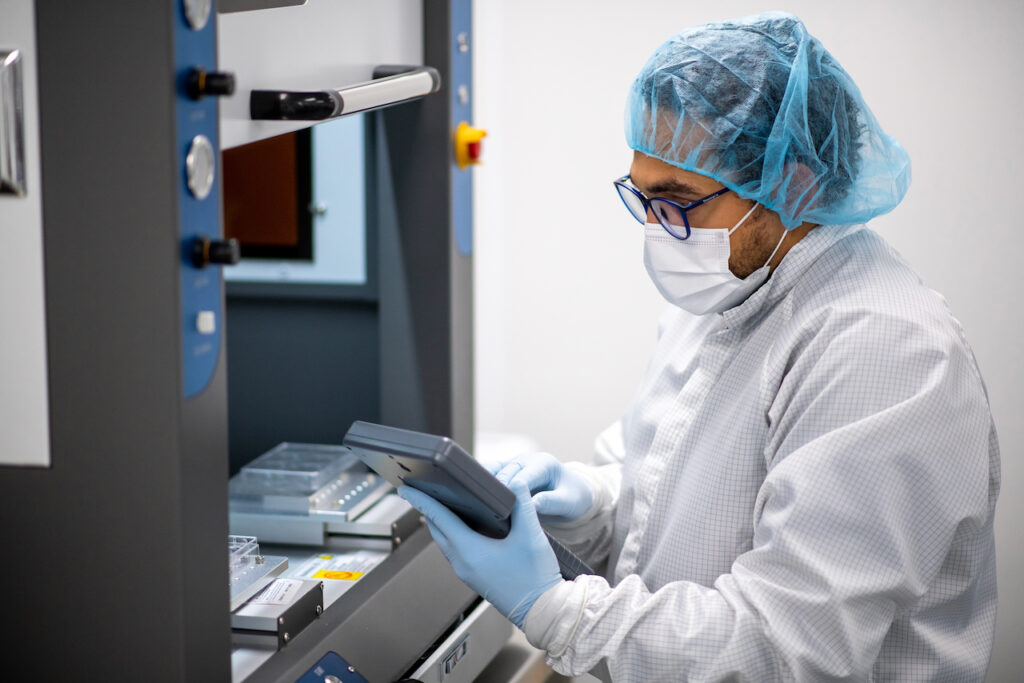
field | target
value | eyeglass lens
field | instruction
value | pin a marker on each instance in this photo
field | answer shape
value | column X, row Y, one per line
column 669, row 214
column 633, row 202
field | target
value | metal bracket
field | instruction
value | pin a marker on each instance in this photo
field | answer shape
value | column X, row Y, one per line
column 12, row 125
column 226, row 6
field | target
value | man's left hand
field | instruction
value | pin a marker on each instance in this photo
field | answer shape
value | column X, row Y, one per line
column 511, row 572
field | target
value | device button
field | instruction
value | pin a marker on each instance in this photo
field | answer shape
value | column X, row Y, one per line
column 468, row 144
column 206, row 322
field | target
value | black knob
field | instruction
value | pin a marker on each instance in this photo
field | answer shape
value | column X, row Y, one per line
column 201, row 82
column 206, row 251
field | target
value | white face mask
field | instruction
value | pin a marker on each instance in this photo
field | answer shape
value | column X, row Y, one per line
column 694, row 273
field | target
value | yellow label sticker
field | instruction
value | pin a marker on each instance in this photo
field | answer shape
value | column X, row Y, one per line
column 326, row 557
column 343, row 576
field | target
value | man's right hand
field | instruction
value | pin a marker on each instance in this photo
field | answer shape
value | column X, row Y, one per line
column 559, row 494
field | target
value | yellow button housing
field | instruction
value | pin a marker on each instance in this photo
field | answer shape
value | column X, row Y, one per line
column 468, row 144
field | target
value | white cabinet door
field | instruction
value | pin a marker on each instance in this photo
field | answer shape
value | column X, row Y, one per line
column 24, row 407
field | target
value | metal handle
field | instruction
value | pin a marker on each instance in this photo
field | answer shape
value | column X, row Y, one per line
column 390, row 85
column 12, row 125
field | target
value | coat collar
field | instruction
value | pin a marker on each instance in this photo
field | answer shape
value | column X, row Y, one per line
column 788, row 272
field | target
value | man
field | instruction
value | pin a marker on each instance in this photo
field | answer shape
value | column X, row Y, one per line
column 804, row 487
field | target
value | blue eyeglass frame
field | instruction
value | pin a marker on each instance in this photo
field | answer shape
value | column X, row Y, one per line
column 648, row 203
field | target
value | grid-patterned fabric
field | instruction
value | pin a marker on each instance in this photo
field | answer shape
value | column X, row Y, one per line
column 807, row 491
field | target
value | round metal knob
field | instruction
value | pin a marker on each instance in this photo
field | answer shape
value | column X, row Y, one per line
column 197, row 13
column 199, row 167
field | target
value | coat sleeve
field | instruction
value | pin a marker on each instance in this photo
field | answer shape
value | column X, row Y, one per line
column 878, row 453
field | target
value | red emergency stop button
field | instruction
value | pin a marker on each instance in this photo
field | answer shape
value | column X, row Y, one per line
column 468, row 145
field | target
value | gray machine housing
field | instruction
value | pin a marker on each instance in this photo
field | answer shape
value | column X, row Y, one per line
column 136, row 495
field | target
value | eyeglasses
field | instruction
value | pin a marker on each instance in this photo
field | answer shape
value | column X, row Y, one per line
column 671, row 215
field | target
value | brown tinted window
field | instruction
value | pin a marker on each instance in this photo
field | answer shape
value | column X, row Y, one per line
column 267, row 195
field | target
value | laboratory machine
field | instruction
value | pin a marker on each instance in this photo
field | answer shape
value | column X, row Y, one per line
column 227, row 231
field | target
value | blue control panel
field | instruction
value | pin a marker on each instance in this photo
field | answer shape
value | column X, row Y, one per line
column 198, row 153
column 332, row 668
column 460, row 91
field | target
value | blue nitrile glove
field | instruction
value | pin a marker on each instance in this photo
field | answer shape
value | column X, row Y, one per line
column 511, row 572
column 560, row 495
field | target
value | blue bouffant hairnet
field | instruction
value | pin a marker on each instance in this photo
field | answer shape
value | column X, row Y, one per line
column 759, row 105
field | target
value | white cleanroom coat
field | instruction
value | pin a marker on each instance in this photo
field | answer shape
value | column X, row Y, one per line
column 806, row 492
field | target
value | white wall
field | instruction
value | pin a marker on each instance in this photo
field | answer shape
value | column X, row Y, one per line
column 565, row 314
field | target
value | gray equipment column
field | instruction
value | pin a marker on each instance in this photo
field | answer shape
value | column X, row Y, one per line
column 426, row 294
column 114, row 556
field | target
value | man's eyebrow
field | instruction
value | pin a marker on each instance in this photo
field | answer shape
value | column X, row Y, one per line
column 676, row 187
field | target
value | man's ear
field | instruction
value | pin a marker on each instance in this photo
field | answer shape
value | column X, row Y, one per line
column 801, row 189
